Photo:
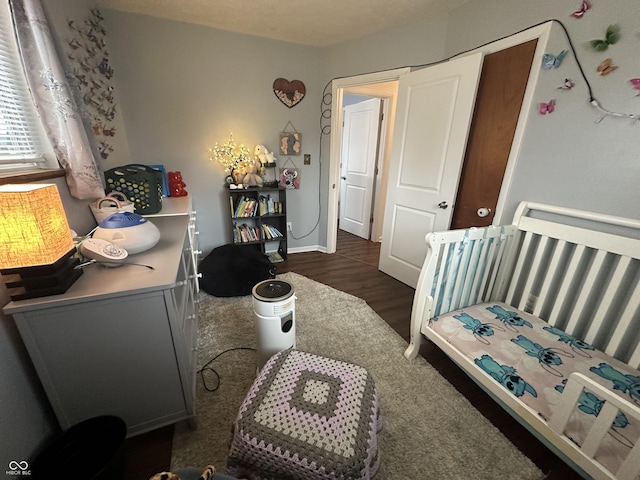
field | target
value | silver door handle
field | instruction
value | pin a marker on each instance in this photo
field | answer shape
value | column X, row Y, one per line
column 443, row 205
column 343, row 178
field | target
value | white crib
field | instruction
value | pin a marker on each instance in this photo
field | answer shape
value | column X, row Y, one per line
column 577, row 271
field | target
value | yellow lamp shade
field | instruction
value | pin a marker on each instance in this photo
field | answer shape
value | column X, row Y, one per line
column 33, row 226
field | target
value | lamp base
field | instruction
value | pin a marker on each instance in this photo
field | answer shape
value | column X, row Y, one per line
column 43, row 280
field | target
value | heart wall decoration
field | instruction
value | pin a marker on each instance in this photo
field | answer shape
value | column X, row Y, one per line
column 290, row 93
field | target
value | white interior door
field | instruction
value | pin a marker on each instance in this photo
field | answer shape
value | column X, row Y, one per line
column 357, row 174
column 433, row 116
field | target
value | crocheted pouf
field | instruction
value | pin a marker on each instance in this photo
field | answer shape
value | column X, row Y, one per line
column 307, row 417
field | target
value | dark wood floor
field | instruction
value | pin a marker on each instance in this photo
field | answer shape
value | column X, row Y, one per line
column 354, row 269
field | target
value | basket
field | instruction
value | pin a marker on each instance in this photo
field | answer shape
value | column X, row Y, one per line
column 141, row 184
column 114, row 202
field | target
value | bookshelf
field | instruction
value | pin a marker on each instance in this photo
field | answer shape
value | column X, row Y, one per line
column 259, row 220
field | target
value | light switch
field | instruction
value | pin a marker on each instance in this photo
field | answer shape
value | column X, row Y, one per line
column 307, row 159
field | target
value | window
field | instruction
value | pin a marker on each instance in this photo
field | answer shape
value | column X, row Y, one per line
column 23, row 143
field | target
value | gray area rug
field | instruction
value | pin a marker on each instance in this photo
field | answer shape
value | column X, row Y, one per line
column 429, row 429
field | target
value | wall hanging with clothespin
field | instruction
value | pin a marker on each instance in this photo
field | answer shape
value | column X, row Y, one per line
column 290, row 175
column 290, row 140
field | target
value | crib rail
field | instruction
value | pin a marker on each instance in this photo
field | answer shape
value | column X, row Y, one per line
column 465, row 265
column 582, row 281
column 460, row 269
column 614, row 404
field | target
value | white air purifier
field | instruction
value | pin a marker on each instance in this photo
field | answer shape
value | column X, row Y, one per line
column 274, row 303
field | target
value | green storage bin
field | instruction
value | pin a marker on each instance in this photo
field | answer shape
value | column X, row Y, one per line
column 141, row 184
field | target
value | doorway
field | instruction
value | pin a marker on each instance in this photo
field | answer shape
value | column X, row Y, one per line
column 381, row 85
column 362, row 161
column 369, row 81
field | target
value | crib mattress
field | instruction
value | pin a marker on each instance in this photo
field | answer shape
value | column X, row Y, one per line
column 533, row 360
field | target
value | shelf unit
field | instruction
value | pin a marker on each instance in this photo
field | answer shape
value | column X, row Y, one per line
column 259, row 220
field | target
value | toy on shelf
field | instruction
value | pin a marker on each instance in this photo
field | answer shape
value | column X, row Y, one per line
column 176, row 185
column 251, row 177
column 264, row 155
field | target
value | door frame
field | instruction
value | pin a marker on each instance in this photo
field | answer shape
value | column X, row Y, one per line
column 338, row 86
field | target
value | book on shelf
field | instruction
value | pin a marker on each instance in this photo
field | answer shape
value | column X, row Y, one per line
column 275, row 257
column 271, row 232
column 268, row 206
column 246, row 207
column 246, row 233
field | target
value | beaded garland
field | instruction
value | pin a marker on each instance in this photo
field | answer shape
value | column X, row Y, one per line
column 307, row 417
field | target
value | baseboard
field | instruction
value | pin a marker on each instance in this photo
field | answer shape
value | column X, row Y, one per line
column 308, row 248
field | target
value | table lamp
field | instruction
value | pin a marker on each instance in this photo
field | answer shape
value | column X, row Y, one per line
column 36, row 246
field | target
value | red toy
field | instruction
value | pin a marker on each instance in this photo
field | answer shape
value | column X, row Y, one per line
column 176, row 185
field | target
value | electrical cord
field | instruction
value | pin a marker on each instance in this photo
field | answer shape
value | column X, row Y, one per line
column 206, row 367
column 326, row 113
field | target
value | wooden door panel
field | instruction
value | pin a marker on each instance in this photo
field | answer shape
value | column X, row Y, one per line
column 502, row 86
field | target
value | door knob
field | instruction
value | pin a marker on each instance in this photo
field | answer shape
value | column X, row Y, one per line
column 443, row 205
column 343, row 178
column 483, row 212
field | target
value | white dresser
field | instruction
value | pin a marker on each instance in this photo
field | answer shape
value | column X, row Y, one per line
column 122, row 341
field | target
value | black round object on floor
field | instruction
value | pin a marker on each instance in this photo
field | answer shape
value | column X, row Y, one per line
column 89, row 450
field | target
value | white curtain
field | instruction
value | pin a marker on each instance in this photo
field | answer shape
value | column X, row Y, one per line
column 55, row 102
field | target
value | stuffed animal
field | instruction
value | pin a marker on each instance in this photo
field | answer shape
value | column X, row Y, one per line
column 176, row 185
column 251, row 178
column 262, row 154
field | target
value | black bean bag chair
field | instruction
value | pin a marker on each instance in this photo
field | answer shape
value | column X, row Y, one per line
column 233, row 270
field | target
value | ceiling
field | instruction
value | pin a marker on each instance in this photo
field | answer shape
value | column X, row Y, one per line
column 306, row 22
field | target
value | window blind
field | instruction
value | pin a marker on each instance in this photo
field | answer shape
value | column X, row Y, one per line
column 20, row 129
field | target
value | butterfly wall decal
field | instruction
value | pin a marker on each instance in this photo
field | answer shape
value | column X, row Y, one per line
column 545, row 108
column 606, row 67
column 567, row 85
column 611, row 37
column 550, row 61
column 583, row 8
column 636, row 84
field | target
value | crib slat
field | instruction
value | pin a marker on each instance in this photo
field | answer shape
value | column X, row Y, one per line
column 630, row 468
column 632, row 307
column 500, row 263
column 586, row 292
column 482, row 264
column 535, row 267
column 524, row 249
column 474, row 256
column 570, row 397
column 599, row 429
column 457, row 279
column 443, row 275
column 564, row 288
column 552, row 273
column 470, row 247
column 607, row 303
column 475, row 289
